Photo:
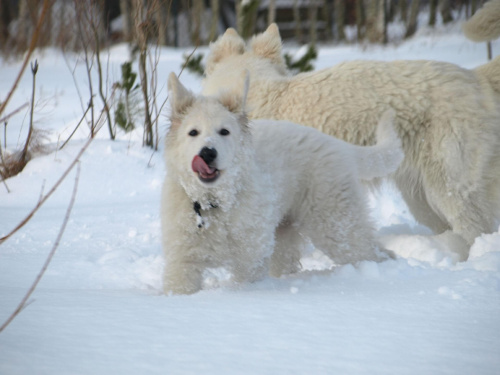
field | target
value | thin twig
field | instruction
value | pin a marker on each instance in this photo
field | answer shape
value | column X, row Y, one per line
column 75, row 82
column 41, row 191
column 49, row 193
column 23, row 302
column 153, row 62
column 88, row 62
column 77, row 126
column 187, row 60
column 97, row 46
column 6, row 117
column 24, row 154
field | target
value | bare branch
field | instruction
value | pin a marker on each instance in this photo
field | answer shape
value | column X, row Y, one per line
column 77, row 126
column 24, row 301
column 24, row 154
column 19, row 109
column 49, row 193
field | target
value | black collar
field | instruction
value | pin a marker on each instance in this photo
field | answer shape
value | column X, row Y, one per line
column 197, row 209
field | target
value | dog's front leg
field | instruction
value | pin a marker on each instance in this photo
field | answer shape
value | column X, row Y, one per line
column 251, row 259
column 244, row 273
column 286, row 256
column 182, row 276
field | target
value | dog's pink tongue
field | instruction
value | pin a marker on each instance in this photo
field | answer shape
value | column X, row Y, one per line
column 199, row 165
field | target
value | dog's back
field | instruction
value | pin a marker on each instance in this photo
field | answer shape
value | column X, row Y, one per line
column 300, row 147
column 300, row 159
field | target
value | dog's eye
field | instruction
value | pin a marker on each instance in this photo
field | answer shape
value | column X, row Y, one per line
column 224, row 132
column 193, row 133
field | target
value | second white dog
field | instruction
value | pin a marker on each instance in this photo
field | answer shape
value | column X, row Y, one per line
column 241, row 195
column 447, row 117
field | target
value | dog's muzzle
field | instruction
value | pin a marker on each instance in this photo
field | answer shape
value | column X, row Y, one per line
column 203, row 165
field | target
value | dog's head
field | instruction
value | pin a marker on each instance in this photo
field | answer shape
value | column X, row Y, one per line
column 229, row 56
column 207, row 143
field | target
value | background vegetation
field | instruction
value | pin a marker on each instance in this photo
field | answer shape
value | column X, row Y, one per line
column 197, row 22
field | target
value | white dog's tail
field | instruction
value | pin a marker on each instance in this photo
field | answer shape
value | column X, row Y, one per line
column 385, row 157
column 484, row 25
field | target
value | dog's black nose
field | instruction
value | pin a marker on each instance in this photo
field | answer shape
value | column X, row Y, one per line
column 208, row 154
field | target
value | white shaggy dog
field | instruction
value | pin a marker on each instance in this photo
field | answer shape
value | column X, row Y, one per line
column 484, row 25
column 240, row 195
column 448, row 119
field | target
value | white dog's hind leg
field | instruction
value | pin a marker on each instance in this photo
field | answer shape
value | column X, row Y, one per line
column 469, row 213
column 419, row 207
column 286, row 256
column 457, row 185
column 338, row 222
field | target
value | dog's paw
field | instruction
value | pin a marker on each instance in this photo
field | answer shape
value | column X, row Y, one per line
column 170, row 290
column 175, row 283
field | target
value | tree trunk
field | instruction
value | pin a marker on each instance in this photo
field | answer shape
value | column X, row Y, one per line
column 391, row 10
column 23, row 30
column 376, row 24
column 313, row 25
column 327, row 15
column 446, row 11
column 360, row 19
column 140, row 33
column 340, row 18
column 247, row 17
column 197, row 10
column 271, row 13
column 126, row 10
column 297, row 21
column 46, row 32
column 403, row 6
column 411, row 27
column 432, row 12
column 214, row 5
column 162, row 16
column 5, row 18
column 473, row 7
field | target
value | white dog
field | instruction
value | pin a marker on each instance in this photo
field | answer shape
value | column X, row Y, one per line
column 448, row 119
column 484, row 25
column 240, row 195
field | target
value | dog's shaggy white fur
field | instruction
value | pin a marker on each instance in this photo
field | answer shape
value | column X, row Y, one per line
column 484, row 25
column 242, row 195
column 448, row 119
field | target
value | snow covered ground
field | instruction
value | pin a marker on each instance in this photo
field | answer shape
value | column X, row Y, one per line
column 99, row 308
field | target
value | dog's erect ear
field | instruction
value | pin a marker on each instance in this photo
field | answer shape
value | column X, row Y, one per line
column 236, row 102
column 231, row 101
column 180, row 97
column 268, row 44
column 228, row 44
